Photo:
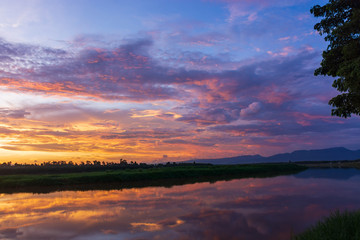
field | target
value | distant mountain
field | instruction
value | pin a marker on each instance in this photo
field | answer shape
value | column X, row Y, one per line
column 232, row 160
column 329, row 154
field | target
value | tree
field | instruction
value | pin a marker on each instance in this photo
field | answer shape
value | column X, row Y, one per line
column 341, row 59
column 123, row 162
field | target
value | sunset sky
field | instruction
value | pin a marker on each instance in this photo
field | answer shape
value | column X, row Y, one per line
column 163, row 80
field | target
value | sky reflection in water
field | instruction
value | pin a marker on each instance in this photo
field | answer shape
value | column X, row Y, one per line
column 269, row 208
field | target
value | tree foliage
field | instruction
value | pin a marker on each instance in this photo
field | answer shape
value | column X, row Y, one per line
column 341, row 59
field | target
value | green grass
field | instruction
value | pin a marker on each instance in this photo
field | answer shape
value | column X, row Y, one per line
column 118, row 179
column 338, row 226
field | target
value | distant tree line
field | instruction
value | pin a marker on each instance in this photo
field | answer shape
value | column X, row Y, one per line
column 7, row 168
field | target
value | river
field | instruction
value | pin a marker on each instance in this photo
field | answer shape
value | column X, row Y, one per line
column 255, row 208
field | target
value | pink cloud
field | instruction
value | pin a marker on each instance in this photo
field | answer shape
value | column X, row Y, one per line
column 276, row 95
column 285, row 51
column 253, row 108
column 284, row 38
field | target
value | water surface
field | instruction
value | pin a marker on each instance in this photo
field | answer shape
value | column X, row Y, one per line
column 255, row 208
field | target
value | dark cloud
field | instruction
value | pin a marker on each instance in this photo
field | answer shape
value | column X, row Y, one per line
column 23, row 50
column 12, row 113
column 10, row 233
column 16, row 58
column 156, row 133
column 52, row 147
column 122, row 73
column 200, row 142
column 211, row 116
column 129, row 73
column 293, row 125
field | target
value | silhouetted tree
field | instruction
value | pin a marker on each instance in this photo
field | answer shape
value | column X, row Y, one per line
column 341, row 26
column 123, row 162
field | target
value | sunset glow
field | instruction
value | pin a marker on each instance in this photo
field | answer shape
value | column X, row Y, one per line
column 155, row 81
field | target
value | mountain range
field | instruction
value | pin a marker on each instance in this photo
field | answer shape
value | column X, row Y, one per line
column 329, row 154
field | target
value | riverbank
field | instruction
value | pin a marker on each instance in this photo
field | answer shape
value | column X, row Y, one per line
column 128, row 178
column 332, row 164
column 337, row 226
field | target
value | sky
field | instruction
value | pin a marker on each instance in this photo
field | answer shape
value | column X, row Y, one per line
column 163, row 80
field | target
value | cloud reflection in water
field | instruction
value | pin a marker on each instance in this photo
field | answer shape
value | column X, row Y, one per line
column 269, row 208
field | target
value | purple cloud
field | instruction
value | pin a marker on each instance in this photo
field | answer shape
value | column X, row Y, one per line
column 11, row 113
column 267, row 102
column 130, row 73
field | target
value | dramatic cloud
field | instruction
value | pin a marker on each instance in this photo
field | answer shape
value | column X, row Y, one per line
column 273, row 94
column 235, row 78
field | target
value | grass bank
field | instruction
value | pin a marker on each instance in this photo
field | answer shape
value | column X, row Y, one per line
column 118, row 179
column 338, row 226
column 332, row 164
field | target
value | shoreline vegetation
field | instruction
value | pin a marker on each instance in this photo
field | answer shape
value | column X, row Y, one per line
column 58, row 176
column 332, row 164
column 337, row 226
